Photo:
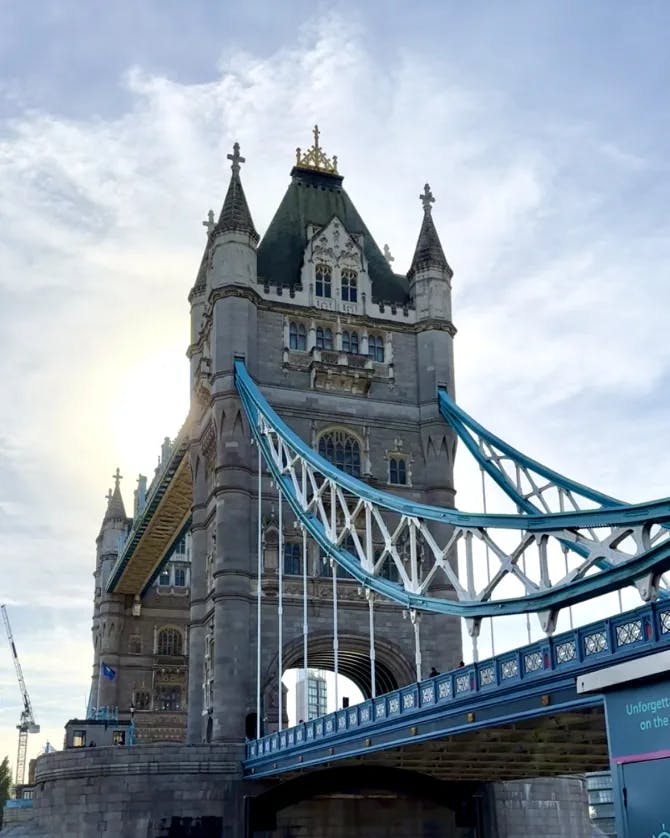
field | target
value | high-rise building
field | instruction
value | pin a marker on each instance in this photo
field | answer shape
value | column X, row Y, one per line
column 314, row 690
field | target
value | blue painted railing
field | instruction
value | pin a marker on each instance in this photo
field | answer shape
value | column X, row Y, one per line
column 632, row 634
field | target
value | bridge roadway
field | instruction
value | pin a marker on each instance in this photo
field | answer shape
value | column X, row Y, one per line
column 513, row 716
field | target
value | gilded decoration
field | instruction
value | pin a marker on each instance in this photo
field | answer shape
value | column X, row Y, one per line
column 315, row 158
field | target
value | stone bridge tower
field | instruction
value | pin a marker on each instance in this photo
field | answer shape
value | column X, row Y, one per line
column 349, row 353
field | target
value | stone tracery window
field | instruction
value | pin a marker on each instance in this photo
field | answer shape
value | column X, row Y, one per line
column 324, row 338
column 376, row 348
column 297, row 336
column 292, row 558
column 349, row 286
column 323, row 275
column 169, row 642
column 398, row 470
column 342, row 450
column 350, row 342
column 167, row 698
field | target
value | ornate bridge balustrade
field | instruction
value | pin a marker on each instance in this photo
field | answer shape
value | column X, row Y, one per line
column 534, row 680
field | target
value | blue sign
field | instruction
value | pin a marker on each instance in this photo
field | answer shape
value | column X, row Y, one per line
column 638, row 722
column 638, row 730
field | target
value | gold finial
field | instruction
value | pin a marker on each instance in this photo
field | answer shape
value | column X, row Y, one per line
column 314, row 158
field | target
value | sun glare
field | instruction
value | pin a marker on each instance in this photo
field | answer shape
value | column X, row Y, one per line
column 151, row 404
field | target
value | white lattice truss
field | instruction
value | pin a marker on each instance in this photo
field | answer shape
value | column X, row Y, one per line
column 428, row 558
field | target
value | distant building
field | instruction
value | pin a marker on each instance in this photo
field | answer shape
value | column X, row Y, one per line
column 601, row 803
column 317, row 693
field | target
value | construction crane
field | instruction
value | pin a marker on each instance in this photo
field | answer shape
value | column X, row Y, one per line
column 27, row 724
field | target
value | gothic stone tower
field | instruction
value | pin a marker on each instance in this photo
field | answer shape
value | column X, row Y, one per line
column 350, row 354
column 141, row 640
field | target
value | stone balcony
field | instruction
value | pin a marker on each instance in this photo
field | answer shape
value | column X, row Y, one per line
column 345, row 372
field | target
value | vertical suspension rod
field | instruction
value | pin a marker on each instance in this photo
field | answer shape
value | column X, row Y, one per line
column 280, row 608
column 305, row 624
column 488, row 561
column 561, row 506
column 523, row 554
column 373, row 674
column 333, row 565
column 259, row 574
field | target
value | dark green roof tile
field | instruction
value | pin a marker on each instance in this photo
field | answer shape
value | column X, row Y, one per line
column 316, row 198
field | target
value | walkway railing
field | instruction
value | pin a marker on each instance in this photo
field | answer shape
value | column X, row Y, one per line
column 632, row 634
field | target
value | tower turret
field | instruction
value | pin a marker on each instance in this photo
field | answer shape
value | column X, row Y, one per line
column 234, row 237
column 108, row 608
column 429, row 274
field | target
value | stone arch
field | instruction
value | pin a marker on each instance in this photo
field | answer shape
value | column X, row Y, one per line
column 461, row 797
column 392, row 668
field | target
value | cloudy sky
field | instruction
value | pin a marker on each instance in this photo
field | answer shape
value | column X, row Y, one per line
column 541, row 127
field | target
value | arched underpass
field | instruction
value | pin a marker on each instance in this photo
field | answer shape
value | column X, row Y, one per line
column 437, row 787
column 358, row 797
column 392, row 670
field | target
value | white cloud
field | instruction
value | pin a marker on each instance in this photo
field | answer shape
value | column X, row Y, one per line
column 559, row 306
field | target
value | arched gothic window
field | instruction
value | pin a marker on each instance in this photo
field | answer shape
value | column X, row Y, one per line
column 323, row 275
column 297, row 336
column 342, row 450
column 376, row 348
column 292, row 558
column 167, row 698
column 398, row 471
column 170, row 642
column 350, row 342
column 349, row 286
column 324, row 338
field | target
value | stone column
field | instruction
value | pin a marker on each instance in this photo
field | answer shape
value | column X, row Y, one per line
column 195, row 731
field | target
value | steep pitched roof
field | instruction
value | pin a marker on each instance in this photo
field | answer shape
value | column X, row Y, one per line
column 428, row 252
column 116, row 511
column 315, row 197
column 235, row 215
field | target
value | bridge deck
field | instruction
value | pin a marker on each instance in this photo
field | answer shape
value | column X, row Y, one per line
column 525, row 699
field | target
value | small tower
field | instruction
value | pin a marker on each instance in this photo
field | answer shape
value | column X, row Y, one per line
column 108, row 608
column 429, row 274
column 430, row 290
column 234, row 237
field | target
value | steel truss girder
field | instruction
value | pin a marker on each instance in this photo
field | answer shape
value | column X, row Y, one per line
column 533, row 487
column 614, row 545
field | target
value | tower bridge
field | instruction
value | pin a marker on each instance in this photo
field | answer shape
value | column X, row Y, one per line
column 323, row 426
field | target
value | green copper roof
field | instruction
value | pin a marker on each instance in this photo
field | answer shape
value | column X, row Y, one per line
column 315, row 198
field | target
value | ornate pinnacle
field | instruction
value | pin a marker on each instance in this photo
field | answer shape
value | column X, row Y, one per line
column 210, row 223
column 237, row 158
column 315, row 158
column 117, row 477
column 426, row 198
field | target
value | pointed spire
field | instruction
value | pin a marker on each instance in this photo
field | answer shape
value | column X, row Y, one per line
column 428, row 252
column 235, row 215
column 116, row 511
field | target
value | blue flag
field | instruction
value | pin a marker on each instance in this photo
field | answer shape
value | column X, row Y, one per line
column 108, row 672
